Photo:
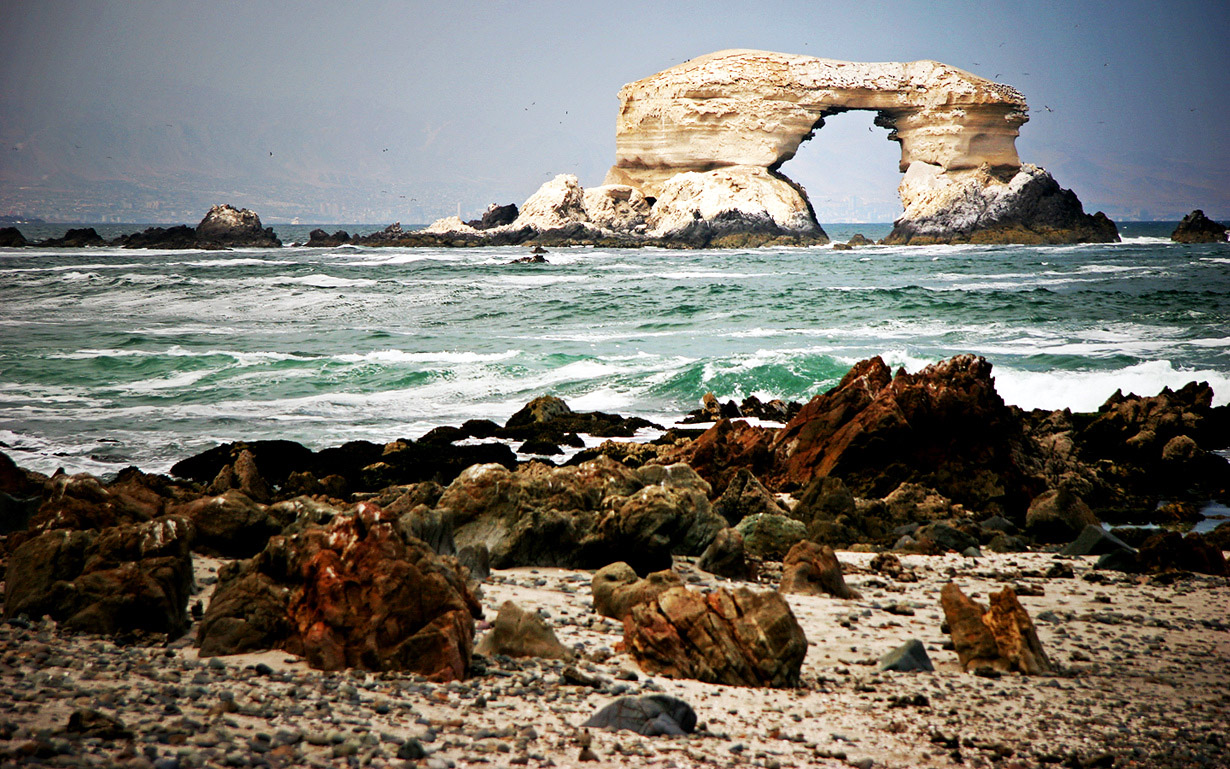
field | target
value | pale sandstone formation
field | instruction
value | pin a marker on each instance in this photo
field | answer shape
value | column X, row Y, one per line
column 741, row 109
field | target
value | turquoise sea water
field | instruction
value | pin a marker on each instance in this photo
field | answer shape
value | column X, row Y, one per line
column 110, row 357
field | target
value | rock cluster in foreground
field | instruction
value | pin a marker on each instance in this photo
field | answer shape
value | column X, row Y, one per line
column 208, row 619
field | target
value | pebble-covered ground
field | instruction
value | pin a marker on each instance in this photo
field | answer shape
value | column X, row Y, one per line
column 1145, row 682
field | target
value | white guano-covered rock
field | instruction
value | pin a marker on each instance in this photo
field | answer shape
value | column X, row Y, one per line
column 449, row 225
column 616, row 207
column 558, row 203
column 745, row 195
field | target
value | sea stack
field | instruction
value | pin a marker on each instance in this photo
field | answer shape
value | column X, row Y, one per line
column 740, row 114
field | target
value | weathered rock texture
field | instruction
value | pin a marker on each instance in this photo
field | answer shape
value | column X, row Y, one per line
column 1002, row 637
column 744, row 113
column 226, row 225
column 737, row 638
column 354, row 593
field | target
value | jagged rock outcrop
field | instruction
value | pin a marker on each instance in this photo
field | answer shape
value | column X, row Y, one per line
column 746, row 113
column 1198, row 228
column 226, row 225
column 356, row 592
column 1001, row 637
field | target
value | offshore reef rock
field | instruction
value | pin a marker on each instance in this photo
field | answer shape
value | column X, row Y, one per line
column 125, row 578
column 318, row 238
column 75, row 238
column 1198, row 228
column 736, row 638
column 11, row 237
column 179, row 236
column 353, row 466
column 352, row 593
column 227, row 226
column 1002, row 637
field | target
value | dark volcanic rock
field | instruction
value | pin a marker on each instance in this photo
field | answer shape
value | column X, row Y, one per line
column 11, row 237
column 908, row 657
column 231, row 524
column 651, row 715
column 1198, row 228
column 736, row 638
column 353, row 593
column 179, row 236
column 318, row 238
column 1171, row 551
column 75, row 238
column 548, row 418
column 1057, row 515
column 744, row 496
column 122, row 578
column 227, row 226
column 1094, row 540
column 944, row 427
column 495, row 216
column 1038, row 211
column 92, row 723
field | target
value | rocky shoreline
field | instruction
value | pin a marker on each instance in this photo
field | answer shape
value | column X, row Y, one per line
column 759, row 592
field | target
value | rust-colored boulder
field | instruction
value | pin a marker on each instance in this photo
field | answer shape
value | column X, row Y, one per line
column 812, row 569
column 736, row 638
column 355, row 593
column 1001, row 637
column 722, row 450
column 944, row 427
column 617, row 588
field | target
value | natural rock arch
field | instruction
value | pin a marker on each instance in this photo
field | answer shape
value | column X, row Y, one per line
column 743, row 113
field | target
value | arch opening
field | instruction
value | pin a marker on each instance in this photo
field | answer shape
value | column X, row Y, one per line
column 849, row 169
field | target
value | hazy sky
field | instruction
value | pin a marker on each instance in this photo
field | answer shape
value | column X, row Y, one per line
column 382, row 111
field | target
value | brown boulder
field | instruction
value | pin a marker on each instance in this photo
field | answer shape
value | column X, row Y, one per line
column 944, row 427
column 1058, row 515
column 1002, row 637
column 811, row 569
column 736, row 638
column 231, row 524
column 616, row 588
column 518, row 633
column 119, row 579
column 1171, row 551
column 726, row 557
column 355, row 593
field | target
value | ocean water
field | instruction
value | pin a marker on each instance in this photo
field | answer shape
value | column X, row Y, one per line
column 112, row 357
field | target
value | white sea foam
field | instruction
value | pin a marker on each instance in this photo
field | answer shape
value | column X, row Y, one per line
column 1088, row 389
column 444, row 356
